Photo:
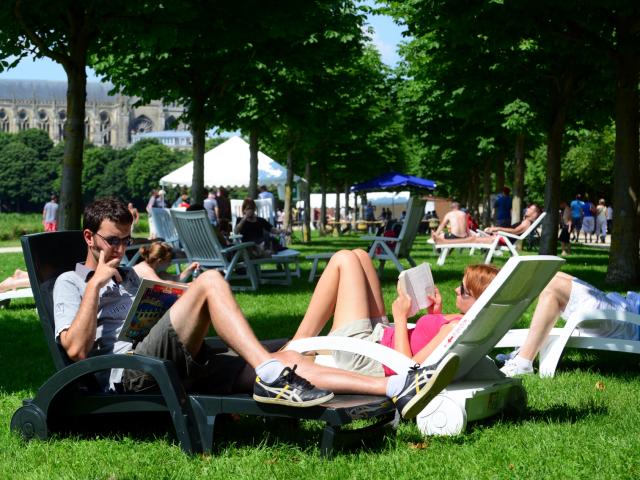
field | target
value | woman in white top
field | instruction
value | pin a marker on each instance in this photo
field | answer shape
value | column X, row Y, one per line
column 601, row 221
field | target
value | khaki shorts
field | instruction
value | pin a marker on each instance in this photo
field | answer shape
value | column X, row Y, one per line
column 209, row 372
column 354, row 362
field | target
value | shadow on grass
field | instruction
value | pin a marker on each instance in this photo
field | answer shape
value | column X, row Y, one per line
column 231, row 430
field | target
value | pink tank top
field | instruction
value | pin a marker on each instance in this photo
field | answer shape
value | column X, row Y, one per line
column 427, row 327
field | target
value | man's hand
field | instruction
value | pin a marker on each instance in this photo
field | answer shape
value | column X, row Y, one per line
column 105, row 271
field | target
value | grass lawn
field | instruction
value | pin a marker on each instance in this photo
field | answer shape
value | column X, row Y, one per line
column 582, row 423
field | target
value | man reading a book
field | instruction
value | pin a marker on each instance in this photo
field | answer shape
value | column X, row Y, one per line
column 91, row 304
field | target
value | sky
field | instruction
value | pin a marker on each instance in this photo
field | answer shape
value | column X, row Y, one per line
column 386, row 37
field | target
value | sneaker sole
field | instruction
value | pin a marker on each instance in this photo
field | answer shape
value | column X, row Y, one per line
column 439, row 380
column 292, row 403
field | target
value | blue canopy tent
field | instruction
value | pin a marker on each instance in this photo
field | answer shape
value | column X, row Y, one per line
column 394, row 180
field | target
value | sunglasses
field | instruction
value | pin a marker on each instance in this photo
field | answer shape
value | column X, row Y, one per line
column 115, row 242
column 463, row 291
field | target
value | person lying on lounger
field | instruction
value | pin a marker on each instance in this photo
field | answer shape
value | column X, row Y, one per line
column 156, row 258
column 91, row 303
column 19, row 279
column 563, row 296
column 531, row 214
column 456, row 221
column 349, row 290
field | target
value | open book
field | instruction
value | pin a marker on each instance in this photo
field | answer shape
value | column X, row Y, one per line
column 417, row 282
column 152, row 300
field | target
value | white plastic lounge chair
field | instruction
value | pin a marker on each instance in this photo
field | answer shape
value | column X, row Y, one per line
column 6, row 297
column 480, row 389
column 570, row 336
column 509, row 239
column 395, row 248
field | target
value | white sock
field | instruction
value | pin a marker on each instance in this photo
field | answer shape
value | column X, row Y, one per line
column 523, row 363
column 395, row 384
column 270, row 370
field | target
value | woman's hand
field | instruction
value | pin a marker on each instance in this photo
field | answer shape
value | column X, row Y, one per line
column 436, row 299
column 401, row 308
column 193, row 266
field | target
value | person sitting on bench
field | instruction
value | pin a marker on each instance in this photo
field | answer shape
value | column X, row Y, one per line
column 90, row 304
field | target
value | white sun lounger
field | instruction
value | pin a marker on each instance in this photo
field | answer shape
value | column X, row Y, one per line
column 570, row 336
column 6, row 297
column 480, row 390
column 510, row 240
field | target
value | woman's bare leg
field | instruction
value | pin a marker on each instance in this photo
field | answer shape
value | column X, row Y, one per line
column 376, row 301
column 341, row 291
column 551, row 303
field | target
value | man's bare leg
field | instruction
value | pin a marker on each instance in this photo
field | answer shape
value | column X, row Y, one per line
column 209, row 302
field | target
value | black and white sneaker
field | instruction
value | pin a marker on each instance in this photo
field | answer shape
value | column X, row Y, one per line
column 423, row 384
column 291, row 390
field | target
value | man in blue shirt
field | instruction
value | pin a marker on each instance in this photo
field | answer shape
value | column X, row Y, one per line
column 576, row 206
column 502, row 207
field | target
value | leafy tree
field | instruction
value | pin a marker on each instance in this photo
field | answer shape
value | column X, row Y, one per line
column 18, row 163
column 149, row 164
column 37, row 139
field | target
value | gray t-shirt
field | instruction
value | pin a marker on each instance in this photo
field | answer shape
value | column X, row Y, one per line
column 210, row 205
column 113, row 305
column 50, row 212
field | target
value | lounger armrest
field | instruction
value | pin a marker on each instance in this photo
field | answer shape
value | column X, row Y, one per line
column 380, row 239
column 594, row 315
column 385, row 355
column 509, row 235
column 238, row 246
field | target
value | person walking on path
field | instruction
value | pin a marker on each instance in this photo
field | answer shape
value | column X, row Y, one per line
column 588, row 220
column 576, row 217
column 601, row 221
column 50, row 215
column 502, row 207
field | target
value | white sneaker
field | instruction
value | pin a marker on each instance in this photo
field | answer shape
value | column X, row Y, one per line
column 511, row 368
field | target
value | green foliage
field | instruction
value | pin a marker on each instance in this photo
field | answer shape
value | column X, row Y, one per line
column 150, row 163
column 19, row 165
column 38, row 140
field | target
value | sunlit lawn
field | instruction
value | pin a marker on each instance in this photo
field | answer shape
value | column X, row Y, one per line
column 571, row 428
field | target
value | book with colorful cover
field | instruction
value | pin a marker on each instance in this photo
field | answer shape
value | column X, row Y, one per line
column 152, row 300
column 418, row 283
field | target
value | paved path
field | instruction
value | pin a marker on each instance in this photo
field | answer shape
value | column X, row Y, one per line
column 11, row 250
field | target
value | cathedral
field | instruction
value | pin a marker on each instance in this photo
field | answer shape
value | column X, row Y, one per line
column 110, row 119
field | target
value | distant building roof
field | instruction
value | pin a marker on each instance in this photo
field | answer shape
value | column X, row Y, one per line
column 51, row 90
column 165, row 134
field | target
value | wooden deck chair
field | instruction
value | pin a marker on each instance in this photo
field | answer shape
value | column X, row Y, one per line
column 72, row 394
column 480, row 389
column 395, row 248
column 571, row 336
column 510, row 240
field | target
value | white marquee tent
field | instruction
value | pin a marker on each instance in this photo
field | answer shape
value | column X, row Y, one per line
column 227, row 165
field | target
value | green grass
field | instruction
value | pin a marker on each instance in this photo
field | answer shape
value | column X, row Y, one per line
column 571, row 428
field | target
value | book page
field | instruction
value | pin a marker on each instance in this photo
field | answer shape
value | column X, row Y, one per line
column 418, row 283
column 152, row 300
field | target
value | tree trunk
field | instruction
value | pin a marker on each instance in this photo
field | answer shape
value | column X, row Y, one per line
column 499, row 173
column 253, row 164
column 288, row 221
column 518, row 181
column 306, row 227
column 336, row 214
column 486, row 193
column 323, row 205
column 198, row 130
column 623, row 256
column 549, row 237
column 70, row 209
